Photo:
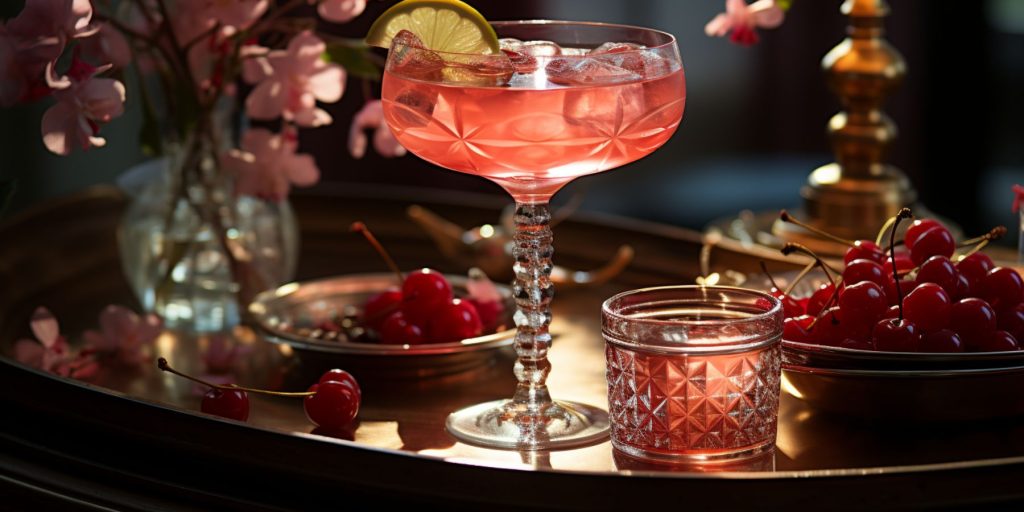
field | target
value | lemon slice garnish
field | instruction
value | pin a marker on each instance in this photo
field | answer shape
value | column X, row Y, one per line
column 443, row 25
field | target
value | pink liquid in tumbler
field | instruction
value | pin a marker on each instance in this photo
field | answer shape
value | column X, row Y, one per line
column 532, row 136
column 693, row 404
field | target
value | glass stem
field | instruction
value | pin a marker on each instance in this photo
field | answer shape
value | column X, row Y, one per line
column 533, row 292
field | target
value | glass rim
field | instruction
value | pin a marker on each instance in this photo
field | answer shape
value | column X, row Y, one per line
column 545, row 22
column 765, row 315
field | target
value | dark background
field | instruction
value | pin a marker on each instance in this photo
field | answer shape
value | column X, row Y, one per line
column 754, row 125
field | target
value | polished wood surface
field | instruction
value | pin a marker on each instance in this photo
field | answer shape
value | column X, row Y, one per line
column 137, row 435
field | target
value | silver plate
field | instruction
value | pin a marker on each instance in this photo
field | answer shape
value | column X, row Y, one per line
column 306, row 303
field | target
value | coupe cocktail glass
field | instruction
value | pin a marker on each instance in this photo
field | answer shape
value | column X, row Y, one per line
column 533, row 124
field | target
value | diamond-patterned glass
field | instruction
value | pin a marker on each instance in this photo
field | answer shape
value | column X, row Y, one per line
column 693, row 402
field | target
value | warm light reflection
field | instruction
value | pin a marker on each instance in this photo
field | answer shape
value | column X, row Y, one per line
column 166, row 342
column 788, row 387
column 486, row 231
column 286, row 289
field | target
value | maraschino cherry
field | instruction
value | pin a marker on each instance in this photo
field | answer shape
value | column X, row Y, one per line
column 331, row 403
column 379, row 306
column 899, row 334
column 790, row 306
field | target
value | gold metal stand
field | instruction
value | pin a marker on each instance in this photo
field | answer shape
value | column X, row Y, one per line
column 853, row 196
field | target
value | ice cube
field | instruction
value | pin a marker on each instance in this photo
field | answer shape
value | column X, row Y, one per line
column 587, row 71
column 510, row 43
column 540, row 48
column 410, row 59
column 616, row 48
column 478, row 70
column 574, row 52
column 633, row 57
column 523, row 63
column 414, row 107
column 604, row 110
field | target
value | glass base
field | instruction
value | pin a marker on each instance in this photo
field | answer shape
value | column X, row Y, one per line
column 724, row 455
column 503, row 424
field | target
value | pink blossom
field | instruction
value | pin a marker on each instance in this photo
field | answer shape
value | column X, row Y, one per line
column 107, row 45
column 223, row 354
column 88, row 101
column 49, row 349
column 44, row 27
column 371, row 116
column 340, row 11
column 123, row 334
column 267, row 164
column 194, row 17
column 742, row 20
column 295, row 79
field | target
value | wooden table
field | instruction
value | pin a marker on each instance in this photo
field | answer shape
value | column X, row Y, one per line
column 133, row 440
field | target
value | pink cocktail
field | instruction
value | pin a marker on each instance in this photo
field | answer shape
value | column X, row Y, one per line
column 693, row 372
column 562, row 100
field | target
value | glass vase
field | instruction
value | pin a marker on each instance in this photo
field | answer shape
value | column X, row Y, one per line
column 193, row 252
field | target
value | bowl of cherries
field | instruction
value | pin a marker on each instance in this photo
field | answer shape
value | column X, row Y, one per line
column 420, row 322
column 907, row 328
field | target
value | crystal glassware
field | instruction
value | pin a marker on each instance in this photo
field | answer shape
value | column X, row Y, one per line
column 567, row 105
column 693, row 372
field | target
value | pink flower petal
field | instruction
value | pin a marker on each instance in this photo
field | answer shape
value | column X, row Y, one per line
column 305, row 50
column 102, row 99
column 29, row 353
column 385, row 143
column 766, row 14
column 340, row 11
column 310, row 117
column 719, row 26
column 45, row 327
column 267, row 100
column 327, row 84
column 302, row 170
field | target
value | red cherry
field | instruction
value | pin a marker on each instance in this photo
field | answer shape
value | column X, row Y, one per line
column 343, row 377
column 963, row 288
column 939, row 270
column 790, row 306
column 378, row 307
column 972, row 318
column 975, row 266
column 795, row 328
column 863, row 302
column 829, row 329
column 819, row 298
column 1011, row 320
column 936, row 241
column 865, row 270
column 943, row 340
column 917, row 229
column 893, row 312
column 906, row 286
column 903, row 263
column 1002, row 287
column 490, row 312
column 332, row 406
column 424, row 291
column 927, row 307
column 522, row 62
column 996, row 341
column 232, row 404
column 398, row 330
column 456, row 321
column 864, row 249
column 897, row 336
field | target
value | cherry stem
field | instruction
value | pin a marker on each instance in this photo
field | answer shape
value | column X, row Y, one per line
column 163, row 365
column 361, row 228
column 803, row 273
column 995, row 234
column 792, row 247
column 903, row 214
column 764, row 268
column 885, row 227
column 786, row 217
